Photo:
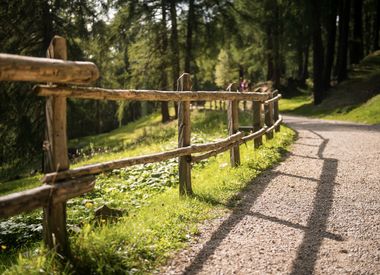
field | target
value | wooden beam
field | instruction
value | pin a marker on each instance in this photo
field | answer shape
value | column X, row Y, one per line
column 34, row 69
column 98, row 168
column 56, row 159
column 24, row 201
column 184, row 137
column 268, row 112
column 213, row 153
column 276, row 124
column 149, row 95
column 254, row 135
column 226, row 147
column 275, row 98
column 233, row 126
column 276, row 114
column 257, row 121
column 29, row 200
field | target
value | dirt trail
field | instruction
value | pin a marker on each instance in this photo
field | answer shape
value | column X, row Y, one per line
column 317, row 212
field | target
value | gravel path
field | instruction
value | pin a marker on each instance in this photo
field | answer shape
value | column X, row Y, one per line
column 317, row 212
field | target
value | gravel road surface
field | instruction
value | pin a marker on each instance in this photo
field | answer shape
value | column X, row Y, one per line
column 316, row 212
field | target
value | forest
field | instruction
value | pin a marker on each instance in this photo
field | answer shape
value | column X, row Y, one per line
column 322, row 58
column 147, row 44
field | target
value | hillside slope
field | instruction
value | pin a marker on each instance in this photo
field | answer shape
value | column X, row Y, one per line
column 356, row 99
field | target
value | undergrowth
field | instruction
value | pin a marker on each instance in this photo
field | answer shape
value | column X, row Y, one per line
column 356, row 99
column 155, row 221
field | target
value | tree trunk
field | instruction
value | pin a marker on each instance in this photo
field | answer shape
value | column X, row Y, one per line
column 330, row 48
column 367, row 32
column 270, row 61
column 317, row 53
column 174, row 48
column 344, row 19
column 48, row 31
column 300, row 57
column 376, row 27
column 276, row 46
column 189, row 37
column 164, row 76
column 356, row 53
column 305, row 69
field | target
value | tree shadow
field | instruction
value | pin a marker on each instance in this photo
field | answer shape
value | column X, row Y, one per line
column 315, row 230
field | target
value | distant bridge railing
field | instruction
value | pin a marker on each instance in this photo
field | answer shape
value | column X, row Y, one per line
column 63, row 183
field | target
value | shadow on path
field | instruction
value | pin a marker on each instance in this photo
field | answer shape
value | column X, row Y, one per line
column 249, row 195
column 315, row 230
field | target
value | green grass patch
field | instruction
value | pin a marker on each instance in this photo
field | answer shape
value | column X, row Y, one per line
column 356, row 99
column 155, row 221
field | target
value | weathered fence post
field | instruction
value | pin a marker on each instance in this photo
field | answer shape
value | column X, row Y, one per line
column 275, row 111
column 233, row 125
column 268, row 110
column 56, row 158
column 257, row 107
column 184, row 130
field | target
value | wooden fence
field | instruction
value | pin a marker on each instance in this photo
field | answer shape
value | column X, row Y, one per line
column 63, row 183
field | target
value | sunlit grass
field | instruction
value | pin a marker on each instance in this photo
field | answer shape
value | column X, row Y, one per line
column 156, row 221
column 349, row 101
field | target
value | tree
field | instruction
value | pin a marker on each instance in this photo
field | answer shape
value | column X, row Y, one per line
column 164, row 49
column 356, row 51
column 330, row 47
column 224, row 72
column 318, row 55
column 175, row 50
column 344, row 20
column 376, row 27
column 189, row 37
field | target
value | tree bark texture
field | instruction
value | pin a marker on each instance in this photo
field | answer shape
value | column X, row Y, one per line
column 164, row 76
column 175, row 50
column 344, row 19
column 330, row 48
column 376, row 27
column 189, row 37
column 356, row 52
column 318, row 55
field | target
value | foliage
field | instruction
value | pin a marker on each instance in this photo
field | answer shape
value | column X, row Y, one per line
column 155, row 220
column 356, row 99
column 224, row 72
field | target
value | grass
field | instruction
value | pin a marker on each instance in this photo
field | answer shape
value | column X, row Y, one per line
column 356, row 99
column 155, row 221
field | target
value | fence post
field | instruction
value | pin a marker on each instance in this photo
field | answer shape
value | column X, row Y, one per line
column 257, row 121
column 268, row 111
column 275, row 111
column 233, row 125
column 184, row 130
column 56, row 158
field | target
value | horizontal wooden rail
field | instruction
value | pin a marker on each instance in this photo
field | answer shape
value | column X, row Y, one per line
column 277, row 123
column 254, row 135
column 29, row 200
column 218, row 151
column 35, row 69
column 26, row 201
column 151, row 95
column 272, row 99
column 117, row 164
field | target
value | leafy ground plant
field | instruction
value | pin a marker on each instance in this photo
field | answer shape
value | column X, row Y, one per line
column 155, row 221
